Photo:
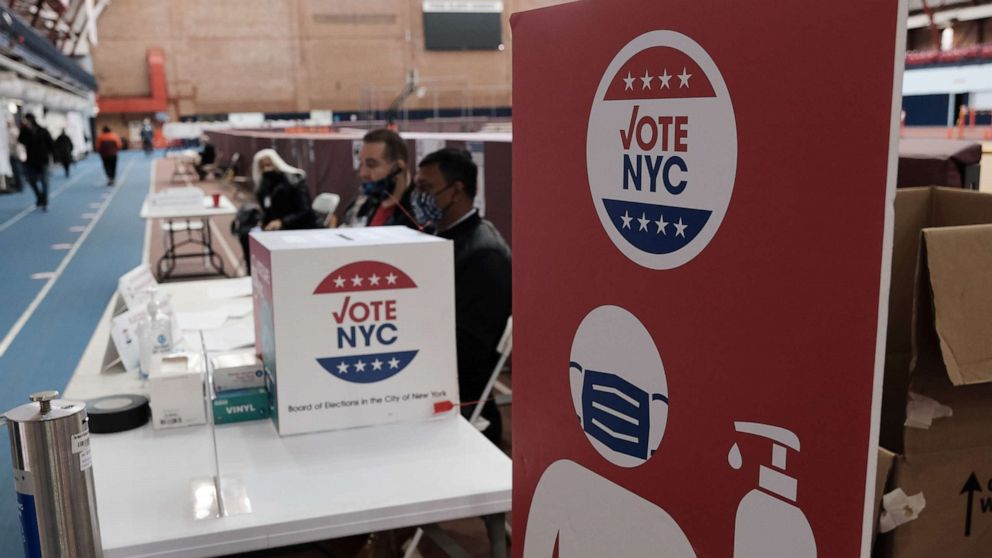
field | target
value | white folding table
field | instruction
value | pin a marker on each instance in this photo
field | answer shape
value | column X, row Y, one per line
column 189, row 219
column 300, row 488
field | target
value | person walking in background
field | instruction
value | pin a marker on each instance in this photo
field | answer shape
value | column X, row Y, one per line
column 63, row 152
column 107, row 145
column 147, row 137
column 39, row 146
column 17, row 154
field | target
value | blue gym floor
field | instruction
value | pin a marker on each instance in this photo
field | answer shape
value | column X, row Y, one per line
column 58, row 271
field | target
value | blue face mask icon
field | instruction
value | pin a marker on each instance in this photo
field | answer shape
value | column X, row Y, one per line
column 616, row 412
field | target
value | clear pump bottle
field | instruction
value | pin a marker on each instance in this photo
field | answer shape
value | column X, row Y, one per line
column 156, row 332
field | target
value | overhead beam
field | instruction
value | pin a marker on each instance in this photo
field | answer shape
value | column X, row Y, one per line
column 941, row 17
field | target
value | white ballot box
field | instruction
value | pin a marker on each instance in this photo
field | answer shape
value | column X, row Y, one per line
column 356, row 327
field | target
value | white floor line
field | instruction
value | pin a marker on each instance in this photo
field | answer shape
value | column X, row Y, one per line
column 77, row 228
column 10, row 222
column 88, row 215
column 146, row 246
column 19, row 324
column 62, row 246
column 43, row 275
column 231, row 259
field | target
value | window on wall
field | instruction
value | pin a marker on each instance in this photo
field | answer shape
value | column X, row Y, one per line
column 463, row 25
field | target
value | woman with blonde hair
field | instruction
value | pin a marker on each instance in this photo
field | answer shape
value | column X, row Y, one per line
column 282, row 194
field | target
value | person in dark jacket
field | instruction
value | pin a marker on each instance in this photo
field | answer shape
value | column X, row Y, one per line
column 147, row 137
column 63, row 152
column 107, row 145
column 39, row 146
column 444, row 201
column 283, row 197
column 384, row 194
column 208, row 157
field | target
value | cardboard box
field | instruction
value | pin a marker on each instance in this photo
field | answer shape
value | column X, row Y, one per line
column 937, row 399
column 236, row 370
column 355, row 327
column 940, row 316
column 241, row 405
column 957, row 519
column 175, row 390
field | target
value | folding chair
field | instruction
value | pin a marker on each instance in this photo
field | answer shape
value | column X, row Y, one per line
column 495, row 528
column 324, row 206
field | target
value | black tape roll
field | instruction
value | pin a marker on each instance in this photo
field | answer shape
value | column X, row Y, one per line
column 117, row 413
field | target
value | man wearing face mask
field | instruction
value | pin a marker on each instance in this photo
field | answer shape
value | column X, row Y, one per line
column 444, row 202
column 384, row 194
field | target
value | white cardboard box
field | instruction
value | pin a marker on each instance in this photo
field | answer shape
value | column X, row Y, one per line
column 235, row 370
column 175, row 390
column 356, row 327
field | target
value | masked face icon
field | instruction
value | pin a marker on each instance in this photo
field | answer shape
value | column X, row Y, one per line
column 617, row 413
column 618, row 384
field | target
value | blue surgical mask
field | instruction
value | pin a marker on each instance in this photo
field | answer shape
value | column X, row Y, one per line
column 381, row 189
column 617, row 413
column 426, row 210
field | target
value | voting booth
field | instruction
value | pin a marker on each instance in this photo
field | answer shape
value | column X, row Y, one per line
column 355, row 327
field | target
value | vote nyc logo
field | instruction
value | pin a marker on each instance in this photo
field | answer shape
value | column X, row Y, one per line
column 366, row 315
column 618, row 385
column 661, row 150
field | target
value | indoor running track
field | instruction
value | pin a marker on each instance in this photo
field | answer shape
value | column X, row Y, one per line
column 58, row 271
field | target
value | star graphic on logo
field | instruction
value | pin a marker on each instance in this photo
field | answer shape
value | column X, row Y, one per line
column 665, row 78
column 680, row 228
column 339, row 282
column 646, row 80
column 360, row 366
column 374, row 279
column 644, row 222
column 376, row 364
column 629, row 82
column 626, row 220
column 343, row 367
column 394, row 363
column 356, row 281
column 684, row 78
column 391, row 278
column 662, row 225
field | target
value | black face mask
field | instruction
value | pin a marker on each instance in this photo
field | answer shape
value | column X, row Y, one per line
column 381, row 189
column 272, row 175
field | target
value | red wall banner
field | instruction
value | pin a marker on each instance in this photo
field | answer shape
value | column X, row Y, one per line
column 699, row 281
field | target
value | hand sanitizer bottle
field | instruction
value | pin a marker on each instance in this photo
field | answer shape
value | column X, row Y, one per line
column 156, row 333
column 769, row 524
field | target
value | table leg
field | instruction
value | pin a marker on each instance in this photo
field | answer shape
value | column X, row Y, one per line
column 169, row 256
column 215, row 259
column 496, row 528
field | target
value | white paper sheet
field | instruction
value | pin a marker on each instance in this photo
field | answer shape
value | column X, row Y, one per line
column 239, row 308
column 231, row 289
column 210, row 319
column 233, row 336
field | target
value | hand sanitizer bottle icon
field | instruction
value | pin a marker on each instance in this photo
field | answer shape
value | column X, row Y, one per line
column 769, row 524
